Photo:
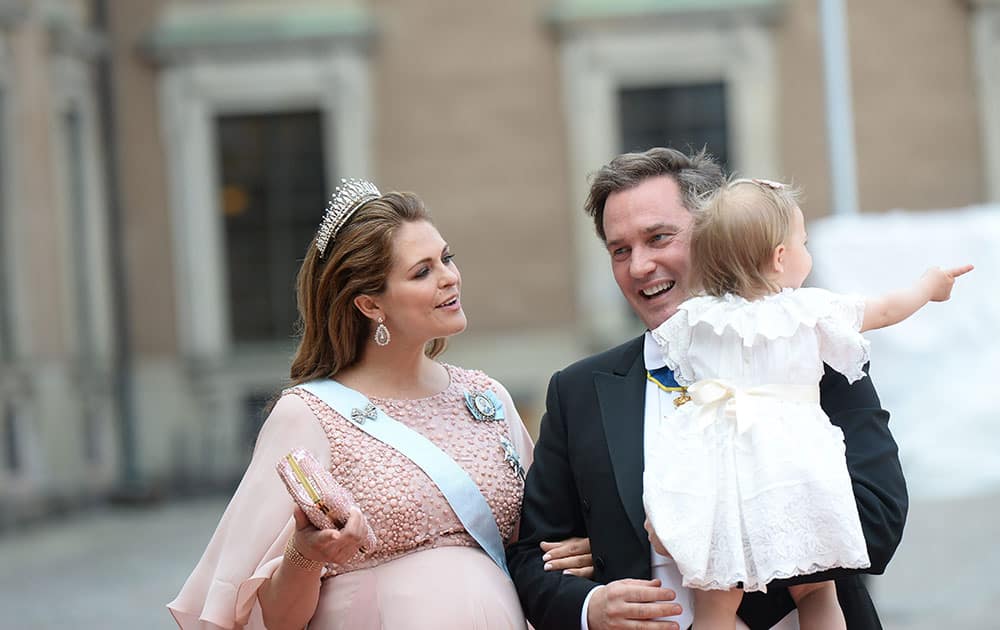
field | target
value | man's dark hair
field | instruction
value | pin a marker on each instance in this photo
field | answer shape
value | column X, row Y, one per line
column 696, row 175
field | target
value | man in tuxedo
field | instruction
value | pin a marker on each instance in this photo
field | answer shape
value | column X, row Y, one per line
column 586, row 479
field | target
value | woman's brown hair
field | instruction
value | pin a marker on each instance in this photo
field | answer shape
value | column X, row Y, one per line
column 356, row 262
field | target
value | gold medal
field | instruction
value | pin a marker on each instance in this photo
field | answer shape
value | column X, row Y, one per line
column 683, row 391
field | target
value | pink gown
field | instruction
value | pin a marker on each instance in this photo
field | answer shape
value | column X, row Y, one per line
column 426, row 571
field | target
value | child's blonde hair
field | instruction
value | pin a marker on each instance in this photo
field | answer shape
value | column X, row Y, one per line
column 735, row 234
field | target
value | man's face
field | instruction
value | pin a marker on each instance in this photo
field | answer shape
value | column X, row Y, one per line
column 648, row 237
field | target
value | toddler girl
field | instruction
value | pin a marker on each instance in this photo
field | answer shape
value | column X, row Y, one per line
column 752, row 485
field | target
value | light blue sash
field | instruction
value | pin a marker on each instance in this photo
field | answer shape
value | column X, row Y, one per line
column 458, row 488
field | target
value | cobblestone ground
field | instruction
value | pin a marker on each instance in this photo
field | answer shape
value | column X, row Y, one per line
column 75, row 573
column 943, row 575
column 113, row 568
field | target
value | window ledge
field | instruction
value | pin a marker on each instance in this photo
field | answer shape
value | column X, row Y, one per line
column 184, row 31
column 567, row 14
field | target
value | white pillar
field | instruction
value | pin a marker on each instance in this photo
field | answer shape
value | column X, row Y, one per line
column 839, row 114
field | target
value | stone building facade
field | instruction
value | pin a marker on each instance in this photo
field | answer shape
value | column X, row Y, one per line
column 163, row 164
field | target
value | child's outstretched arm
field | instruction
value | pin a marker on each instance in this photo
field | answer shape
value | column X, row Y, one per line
column 934, row 286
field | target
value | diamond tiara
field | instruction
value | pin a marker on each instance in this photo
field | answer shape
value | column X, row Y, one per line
column 348, row 197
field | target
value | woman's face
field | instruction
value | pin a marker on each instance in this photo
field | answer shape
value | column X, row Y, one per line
column 422, row 296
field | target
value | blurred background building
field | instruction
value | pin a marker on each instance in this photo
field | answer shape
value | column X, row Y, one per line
column 164, row 164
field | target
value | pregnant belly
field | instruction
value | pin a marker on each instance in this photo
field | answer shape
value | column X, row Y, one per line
column 442, row 588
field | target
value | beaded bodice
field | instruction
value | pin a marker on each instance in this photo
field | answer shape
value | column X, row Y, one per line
column 403, row 506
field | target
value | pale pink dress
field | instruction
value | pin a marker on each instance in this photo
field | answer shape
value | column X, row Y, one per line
column 426, row 571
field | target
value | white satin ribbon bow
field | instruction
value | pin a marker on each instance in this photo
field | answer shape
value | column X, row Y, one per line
column 746, row 405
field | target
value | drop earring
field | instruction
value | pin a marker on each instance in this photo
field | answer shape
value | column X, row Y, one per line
column 382, row 336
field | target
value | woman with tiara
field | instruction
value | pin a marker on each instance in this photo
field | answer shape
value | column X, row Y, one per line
column 378, row 295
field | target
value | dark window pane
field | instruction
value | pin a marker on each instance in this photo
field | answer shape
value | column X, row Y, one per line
column 77, row 195
column 685, row 117
column 6, row 331
column 254, row 405
column 273, row 196
column 91, row 434
column 12, row 455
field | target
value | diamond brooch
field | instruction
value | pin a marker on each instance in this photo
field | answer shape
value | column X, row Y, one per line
column 510, row 456
column 484, row 406
column 360, row 416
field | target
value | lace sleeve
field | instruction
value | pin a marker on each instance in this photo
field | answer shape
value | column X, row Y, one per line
column 841, row 345
column 674, row 339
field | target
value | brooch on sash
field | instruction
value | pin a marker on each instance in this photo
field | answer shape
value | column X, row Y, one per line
column 510, row 456
column 359, row 416
column 484, row 406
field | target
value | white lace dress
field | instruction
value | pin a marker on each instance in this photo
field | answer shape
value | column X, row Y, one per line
column 750, row 483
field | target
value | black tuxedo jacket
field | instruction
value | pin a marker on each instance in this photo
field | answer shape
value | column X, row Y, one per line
column 586, row 480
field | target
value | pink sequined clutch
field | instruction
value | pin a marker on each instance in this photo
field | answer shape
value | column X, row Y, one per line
column 325, row 502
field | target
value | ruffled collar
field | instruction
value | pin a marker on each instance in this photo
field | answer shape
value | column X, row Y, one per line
column 773, row 316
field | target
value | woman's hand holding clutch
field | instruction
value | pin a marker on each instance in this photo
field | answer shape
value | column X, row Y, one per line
column 329, row 526
column 331, row 545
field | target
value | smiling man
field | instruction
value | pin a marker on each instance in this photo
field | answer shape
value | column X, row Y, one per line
column 646, row 232
column 587, row 475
